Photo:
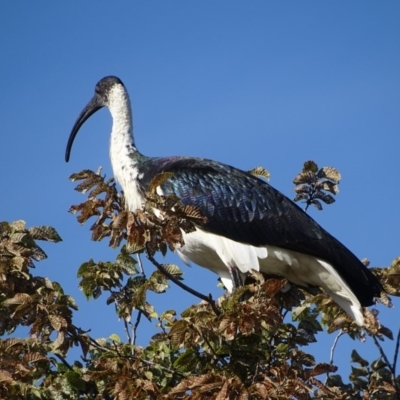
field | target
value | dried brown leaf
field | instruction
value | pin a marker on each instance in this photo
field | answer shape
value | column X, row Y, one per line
column 46, row 233
column 323, row 368
column 34, row 357
column 330, row 173
column 157, row 181
column 86, row 173
column 329, row 186
column 88, row 183
column 310, row 166
column 305, row 177
column 19, row 298
column 5, row 376
column 317, row 204
column 260, row 172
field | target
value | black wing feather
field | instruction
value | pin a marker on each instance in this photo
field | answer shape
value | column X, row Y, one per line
column 246, row 209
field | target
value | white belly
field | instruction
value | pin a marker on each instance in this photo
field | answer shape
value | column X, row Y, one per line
column 219, row 254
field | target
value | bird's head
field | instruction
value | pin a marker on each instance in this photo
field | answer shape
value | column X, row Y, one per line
column 102, row 97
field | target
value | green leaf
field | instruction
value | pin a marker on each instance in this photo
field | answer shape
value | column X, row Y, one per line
column 115, row 338
column 173, row 270
column 187, row 361
column 282, row 348
column 359, row 371
column 75, row 380
column 126, row 263
column 356, row 358
column 158, row 282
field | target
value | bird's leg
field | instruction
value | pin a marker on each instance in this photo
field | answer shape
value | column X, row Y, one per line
column 237, row 277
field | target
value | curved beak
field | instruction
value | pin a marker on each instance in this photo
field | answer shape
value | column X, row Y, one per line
column 94, row 105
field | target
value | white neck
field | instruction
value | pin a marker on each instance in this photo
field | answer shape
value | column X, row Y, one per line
column 122, row 146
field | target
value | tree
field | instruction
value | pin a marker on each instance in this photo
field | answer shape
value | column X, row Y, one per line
column 243, row 346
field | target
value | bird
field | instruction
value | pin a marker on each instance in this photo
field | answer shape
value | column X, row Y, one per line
column 249, row 224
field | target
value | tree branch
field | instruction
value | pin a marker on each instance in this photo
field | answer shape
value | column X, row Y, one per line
column 188, row 289
column 391, row 368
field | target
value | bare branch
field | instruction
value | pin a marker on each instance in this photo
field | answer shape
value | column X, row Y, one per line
column 201, row 296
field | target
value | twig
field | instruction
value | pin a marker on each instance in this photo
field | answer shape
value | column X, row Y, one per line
column 127, row 331
column 64, row 361
column 391, row 368
column 162, row 326
column 201, row 296
column 147, row 362
column 396, row 353
column 134, row 327
column 335, row 342
column 220, row 358
column 140, row 264
column 382, row 353
column 311, row 197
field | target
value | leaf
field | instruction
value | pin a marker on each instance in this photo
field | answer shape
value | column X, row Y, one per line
column 192, row 212
column 260, row 172
column 133, row 247
column 71, row 302
column 126, row 263
column 173, row 269
column 282, row 348
column 57, row 322
column 304, row 177
column 158, row 180
column 38, row 253
column 301, row 196
column 187, row 361
column 88, row 183
column 75, row 380
column 359, row 371
column 46, row 233
column 115, row 338
column 120, row 221
column 157, row 282
column 330, row 173
column 326, row 198
column 168, row 316
column 18, row 225
column 389, row 277
column 356, row 358
column 323, row 368
column 310, row 166
column 330, row 187
column 303, row 188
column 34, row 357
column 5, row 376
column 59, row 340
column 19, row 298
column 334, row 380
column 86, row 173
column 317, row 204
column 383, row 330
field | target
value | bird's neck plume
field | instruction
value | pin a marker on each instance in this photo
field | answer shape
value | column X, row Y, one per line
column 123, row 153
column 122, row 130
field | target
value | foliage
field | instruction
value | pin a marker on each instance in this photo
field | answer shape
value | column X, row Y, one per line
column 312, row 184
column 249, row 345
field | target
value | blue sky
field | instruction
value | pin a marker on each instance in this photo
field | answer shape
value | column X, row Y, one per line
column 246, row 83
